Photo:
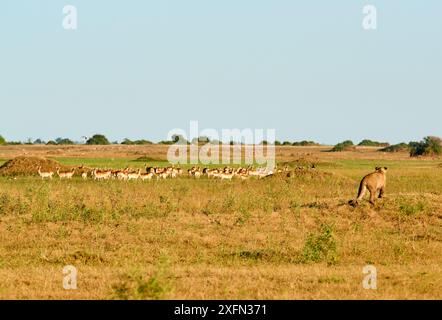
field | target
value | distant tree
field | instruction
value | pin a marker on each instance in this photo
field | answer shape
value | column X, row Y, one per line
column 64, row 141
column 51, row 142
column 39, row 141
column 127, row 141
column 396, row 148
column 343, row 146
column 277, row 143
column 305, row 143
column 370, row 143
column 286, row 143
column 166, row 142
column 178, row 138
column 98, row 139
column 2, row 140
column 142, row 142
column 428, row 146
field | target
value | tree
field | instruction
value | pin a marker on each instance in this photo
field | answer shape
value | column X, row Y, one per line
column 2, row 140
column 39, row 141
column 396, row 148
column 370, row 143
column 305, row 143
column 98, row 139
column 64, row 141
column 178, row 138
column 343, row 146
column 428, row 146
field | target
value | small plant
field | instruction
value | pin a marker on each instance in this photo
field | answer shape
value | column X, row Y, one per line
column 320, row 247
column 412, row 209
column 135, row 287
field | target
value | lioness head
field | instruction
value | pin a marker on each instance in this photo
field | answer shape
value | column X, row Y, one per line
column 381, row 169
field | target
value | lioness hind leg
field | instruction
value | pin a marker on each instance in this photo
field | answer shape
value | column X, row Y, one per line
column 382, row 193
column 372, row 195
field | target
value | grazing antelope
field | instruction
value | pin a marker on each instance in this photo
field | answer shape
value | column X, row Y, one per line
column 84, row 175
column 66, row 174
column 44, row 175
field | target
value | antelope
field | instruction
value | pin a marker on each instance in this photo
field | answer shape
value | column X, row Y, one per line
column 133, row 175
column 226, row 176
column 101, row 175
column 123, row 174
column 47, row 174
column 84, row 175
column 66, row 174
column 146, row 176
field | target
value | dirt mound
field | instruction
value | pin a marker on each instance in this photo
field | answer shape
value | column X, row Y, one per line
column 309, row 172
column 26, row 166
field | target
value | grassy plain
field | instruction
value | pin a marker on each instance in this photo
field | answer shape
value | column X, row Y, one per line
column 276, row 238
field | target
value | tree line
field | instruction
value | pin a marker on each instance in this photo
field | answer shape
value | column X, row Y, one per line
column 430, row 145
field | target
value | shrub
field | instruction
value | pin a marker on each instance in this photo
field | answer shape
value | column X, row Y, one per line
column 343, row 146
column 371, row 143
column 396, row 148
column 429, row 146
column 39, row 141
column 305, row 143
column 2, row 140
column 320, row 247
column 166, row 142
column 64, row 141
column 137, row 142
column 98, row 139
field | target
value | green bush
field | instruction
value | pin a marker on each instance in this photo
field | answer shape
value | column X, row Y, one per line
column 2, row 140
column 98, row 139
column 305, row 143
column 320, row 247
column 64, row 141
column 136, row 142
column 396, row 148
column 343, row 146
column 427, row 147
column 371, row 143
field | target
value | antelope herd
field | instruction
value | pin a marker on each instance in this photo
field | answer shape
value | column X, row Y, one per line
column 226, row 173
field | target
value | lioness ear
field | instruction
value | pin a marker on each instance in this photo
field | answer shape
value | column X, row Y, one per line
column 385, row 168
column 377, row 168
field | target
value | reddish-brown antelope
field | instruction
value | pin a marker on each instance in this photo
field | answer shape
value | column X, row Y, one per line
column 66, row 174
column 45, row 174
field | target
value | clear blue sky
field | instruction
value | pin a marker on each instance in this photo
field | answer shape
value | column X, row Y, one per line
column 140, row 68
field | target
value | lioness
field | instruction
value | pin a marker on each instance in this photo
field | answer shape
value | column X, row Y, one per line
column 374, row 182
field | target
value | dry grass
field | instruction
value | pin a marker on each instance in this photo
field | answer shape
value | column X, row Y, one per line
column 279, row 238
